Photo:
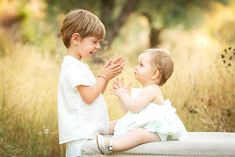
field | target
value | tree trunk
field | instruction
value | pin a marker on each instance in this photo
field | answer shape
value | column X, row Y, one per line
column 107, row 12
column 114, row 25
column 154, row 34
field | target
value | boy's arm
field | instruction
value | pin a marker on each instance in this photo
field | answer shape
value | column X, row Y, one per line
column 90, row 93
column 105, row 86
column 108, row 63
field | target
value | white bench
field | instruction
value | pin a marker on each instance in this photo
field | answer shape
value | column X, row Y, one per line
column 213, row 144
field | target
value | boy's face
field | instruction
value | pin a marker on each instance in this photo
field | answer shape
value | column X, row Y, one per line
column 88, row 46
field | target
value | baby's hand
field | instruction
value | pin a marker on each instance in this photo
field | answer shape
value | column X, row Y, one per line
column 119, row 87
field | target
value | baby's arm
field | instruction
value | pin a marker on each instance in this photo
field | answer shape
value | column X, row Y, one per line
column 134, row 105
column 90, row 93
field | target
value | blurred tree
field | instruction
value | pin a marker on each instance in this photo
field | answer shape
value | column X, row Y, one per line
column 168, row 13
column 160, row 14
column 112, row 13
column 113, row 23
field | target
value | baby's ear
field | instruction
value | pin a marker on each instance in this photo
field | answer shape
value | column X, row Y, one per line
column 155, row 74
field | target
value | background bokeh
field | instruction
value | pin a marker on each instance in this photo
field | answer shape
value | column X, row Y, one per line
column 199, row 35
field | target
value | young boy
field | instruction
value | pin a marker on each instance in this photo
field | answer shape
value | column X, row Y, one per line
column 82, row 111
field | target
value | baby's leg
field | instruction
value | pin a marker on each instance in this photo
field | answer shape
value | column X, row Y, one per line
column 133, row 138
column 111, row 126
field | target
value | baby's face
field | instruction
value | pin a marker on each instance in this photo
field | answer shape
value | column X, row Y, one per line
column 143, row 71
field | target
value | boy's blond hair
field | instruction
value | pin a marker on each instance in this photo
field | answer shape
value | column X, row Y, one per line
column 160, row 59
column 83, row 22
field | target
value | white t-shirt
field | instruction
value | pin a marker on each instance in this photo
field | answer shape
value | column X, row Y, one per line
column 78, row 120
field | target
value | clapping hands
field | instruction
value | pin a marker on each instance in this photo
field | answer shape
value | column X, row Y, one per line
column 119, row 87
column 112, row 68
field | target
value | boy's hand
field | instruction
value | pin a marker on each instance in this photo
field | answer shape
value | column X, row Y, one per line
column 112, row 68
column 118, row 61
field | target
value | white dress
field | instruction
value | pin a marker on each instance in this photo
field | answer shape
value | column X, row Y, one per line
column 161, row 119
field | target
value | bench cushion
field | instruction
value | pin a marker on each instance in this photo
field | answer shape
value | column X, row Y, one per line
column 198, row 144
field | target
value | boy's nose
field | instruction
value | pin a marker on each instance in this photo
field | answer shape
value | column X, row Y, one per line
column 98, row 45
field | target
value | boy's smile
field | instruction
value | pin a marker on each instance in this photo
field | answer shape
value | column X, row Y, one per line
column 88, row 46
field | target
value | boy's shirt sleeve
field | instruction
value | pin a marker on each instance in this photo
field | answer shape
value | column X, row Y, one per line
column 78, row 75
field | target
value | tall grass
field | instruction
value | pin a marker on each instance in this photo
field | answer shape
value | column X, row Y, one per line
column 202, row 86
column 28, row 121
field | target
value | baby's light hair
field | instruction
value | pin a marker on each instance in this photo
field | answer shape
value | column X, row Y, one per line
column 160, row 59
column 83, row 22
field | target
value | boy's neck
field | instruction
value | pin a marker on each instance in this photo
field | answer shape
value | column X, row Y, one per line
column 71, row 52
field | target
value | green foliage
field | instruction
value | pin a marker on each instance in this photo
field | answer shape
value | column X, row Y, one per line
column 64, row 6
column 39, row 32
column 3, row 46
column 28, row 26
column 162, row 14
column 170, row 13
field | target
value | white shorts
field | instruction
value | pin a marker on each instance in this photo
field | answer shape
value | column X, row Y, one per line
column 73, row 148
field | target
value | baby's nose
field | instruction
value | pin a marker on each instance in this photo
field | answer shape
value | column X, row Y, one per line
column 135, row 69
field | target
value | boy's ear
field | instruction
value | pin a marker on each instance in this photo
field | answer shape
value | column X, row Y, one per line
column 155, row 74
column 75, row 38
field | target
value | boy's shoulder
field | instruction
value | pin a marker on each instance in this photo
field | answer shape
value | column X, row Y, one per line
column 69, row 60
column 73, row 65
